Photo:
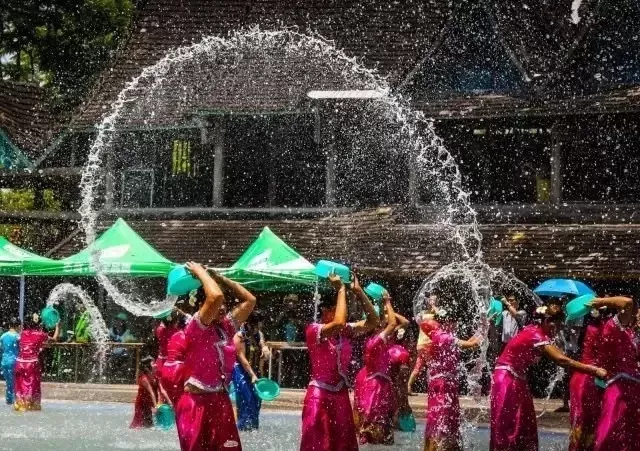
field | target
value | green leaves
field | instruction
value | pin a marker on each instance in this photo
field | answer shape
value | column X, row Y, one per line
column 61, row 43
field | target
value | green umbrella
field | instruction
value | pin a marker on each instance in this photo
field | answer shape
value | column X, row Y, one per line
column 15, row 261
column 270, row 264
column 120, row 251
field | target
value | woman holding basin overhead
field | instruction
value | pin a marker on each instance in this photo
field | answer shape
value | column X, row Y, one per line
column 204, row 415
column 327, row 416
column 619, row 424
column 585, row 395
column 513, row 418
column 374, row 396
column 28, row 372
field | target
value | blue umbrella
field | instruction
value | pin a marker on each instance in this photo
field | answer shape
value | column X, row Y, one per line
column 563, row 287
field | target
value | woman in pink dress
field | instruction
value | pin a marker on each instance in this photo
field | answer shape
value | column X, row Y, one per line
column 327, row 417
column 584, row 395
column 374, row 394
column 147, row 397
column 399, row 346
column 442, row 431
column 619, row 423
column 28, row 372
column 513, row 418
column 165, row 330
column 172, row 377
column 204, row 415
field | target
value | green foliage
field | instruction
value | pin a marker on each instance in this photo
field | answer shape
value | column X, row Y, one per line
column 62, row 44
column 24, row 199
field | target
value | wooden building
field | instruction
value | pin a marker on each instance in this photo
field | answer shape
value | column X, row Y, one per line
column 540, row 105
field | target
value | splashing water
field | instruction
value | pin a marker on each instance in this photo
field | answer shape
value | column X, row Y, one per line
column 66, row 292
column 216, row 72
column 217, row 69
column 557, row 377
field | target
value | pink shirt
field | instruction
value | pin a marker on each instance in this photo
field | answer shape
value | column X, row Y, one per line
column 209, row 353
column 330, row 357
column 523, row 351
column 591, row 344
column 163, row 334
column 619, row 353
column 177, row 347
column 444, row 355
column 377, row 359
column 31, row 343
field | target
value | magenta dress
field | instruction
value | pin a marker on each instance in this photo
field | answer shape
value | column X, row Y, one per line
column 585, row 396
column 205, row 420
column 374, row 395
column 513, row 417
column 327, row 418
column 172, row 376
column 28, row 372
column 143, row 407
column 443, row 405
column 619, row 423
column 163, row 335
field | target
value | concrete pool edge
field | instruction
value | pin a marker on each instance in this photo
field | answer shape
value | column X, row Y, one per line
column 292, row 399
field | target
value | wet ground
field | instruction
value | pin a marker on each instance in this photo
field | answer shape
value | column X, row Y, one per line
column 76, row 426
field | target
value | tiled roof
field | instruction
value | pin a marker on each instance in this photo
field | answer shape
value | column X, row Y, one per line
column 390, row 36
column 25, row 117
column 377, row 242
column 484, row 106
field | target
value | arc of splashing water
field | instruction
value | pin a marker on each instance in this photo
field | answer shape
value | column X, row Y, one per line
column 481, row 278
column 442, row 164
column 60, row 294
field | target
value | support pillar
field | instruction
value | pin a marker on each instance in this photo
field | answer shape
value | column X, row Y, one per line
column 556, row 163
column 217, row 139
column 326, row 141
column 109, row 181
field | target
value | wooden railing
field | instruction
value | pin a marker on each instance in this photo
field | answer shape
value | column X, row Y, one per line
column 79, row 352
column 277, row 350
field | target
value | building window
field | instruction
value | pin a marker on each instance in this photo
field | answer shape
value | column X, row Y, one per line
column 600, row 161
column 181, row 158
column 163, row 168
column 501, row 161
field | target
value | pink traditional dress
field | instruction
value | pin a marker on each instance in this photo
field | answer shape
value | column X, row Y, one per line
column 585, row 395
column 513, row 417
column 443, row 405
column 143, row 407
column 205, row 420
column 619, row 424
column 163, row 335
column 374, row 395
column 28, row 372
column 327, row 418
column 173, row 375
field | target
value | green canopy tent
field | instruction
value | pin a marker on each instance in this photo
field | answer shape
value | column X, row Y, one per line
column 15, row 261
column 270, row 264
column 119, row 252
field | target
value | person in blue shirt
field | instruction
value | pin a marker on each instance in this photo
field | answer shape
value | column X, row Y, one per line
column 9, row 345
column 247, row 343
